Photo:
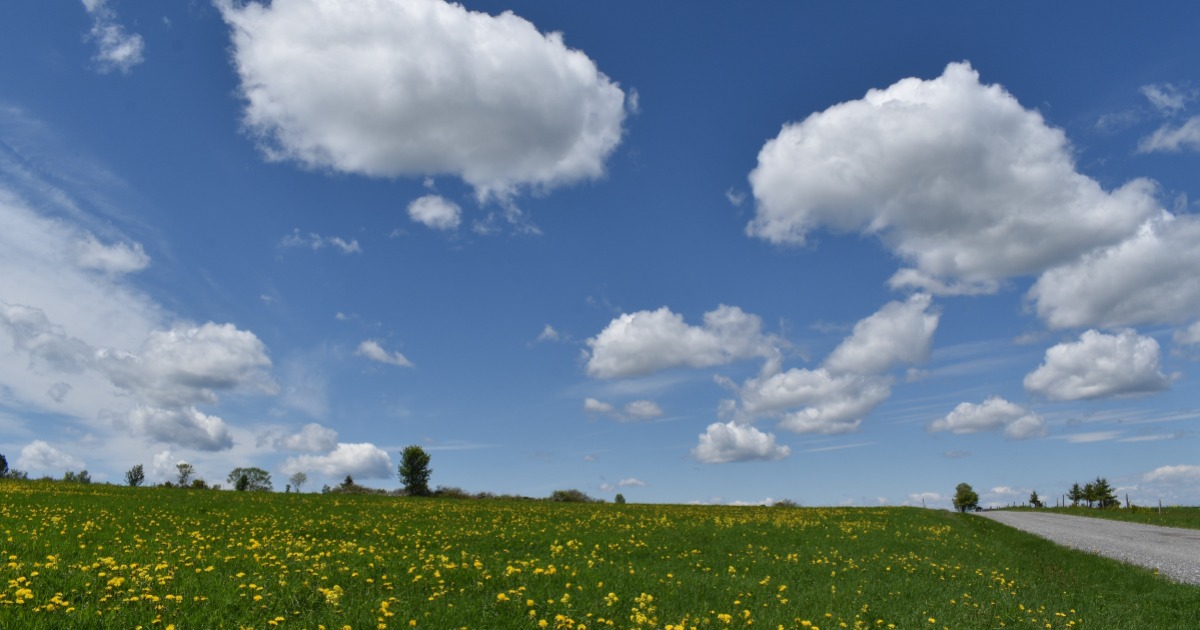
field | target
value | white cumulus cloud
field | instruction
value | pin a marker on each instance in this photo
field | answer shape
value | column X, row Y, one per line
column 900, row 332
column 1149, row 278
column 38, row 457
column 636, row 344
column 421, row 87
column 827, row 403
column 643, row 410
column 731, row 442
column 375, row 352
column 435, row 212
column 183, row 426
column 363, row 461
column 994, row 414
column 954, row 176
column 1099, row 365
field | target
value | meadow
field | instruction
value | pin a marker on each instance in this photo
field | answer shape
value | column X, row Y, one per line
column 94, row 556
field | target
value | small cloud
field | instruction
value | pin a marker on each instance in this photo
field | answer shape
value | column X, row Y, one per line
column 631, row 482
column 1093, row 436
column 591, row 405
column 1173, row 474
column 955, row 454
column 375, row 352
column 435, row 212
column 115, row 49
column 549, row 334
column 735, row 197
column 633, row 411
column 316, row 242
column 1166, row 97
column 643, row 410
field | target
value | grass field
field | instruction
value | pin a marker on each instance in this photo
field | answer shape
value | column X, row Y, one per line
column 91, row 556
column 1187, row 517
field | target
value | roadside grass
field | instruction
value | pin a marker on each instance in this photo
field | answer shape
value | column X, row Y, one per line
column 93, row 556
column 1174, row 516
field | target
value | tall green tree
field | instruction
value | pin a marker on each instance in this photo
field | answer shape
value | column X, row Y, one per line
column 1089, row 493
column 135, row 476
column 1075, row 494
column 1035, row 500
column 415, row 471
column 3, row 466
column 256, row 479
column 965, row 497
column 1103, row 494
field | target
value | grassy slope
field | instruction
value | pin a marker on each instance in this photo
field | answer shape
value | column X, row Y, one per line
column 203, row 559
column 1186, row 517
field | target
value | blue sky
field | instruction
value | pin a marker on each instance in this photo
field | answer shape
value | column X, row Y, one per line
column 840, row 254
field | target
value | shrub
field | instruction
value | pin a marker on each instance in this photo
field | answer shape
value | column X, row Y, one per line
column 571, row 496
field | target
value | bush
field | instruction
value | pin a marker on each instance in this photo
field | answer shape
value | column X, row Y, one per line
column 571, row 496
column 451, row 492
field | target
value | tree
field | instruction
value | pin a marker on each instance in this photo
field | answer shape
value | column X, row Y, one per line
column 1089, row 493
column 186, row 471
column 1075, row 494
column 3, row 466
column 1035, row 500
column 619, row 499
column 298, row 479
column 77, row 477
column 256, row 479
column 1103, row 494
column 965, row 498
column 415, row 471
column 135, row 476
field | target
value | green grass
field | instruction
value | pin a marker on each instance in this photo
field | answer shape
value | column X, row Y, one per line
column 1186, row 517
column 89, row 556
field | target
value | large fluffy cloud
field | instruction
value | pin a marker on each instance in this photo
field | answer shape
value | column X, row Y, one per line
column 389, row 87
column 1099, row 365
column 995, row 413
column 636, row 344
column 814, row 401
column 182, row 425
column 956, row 177
column 188, row 364
column 732, row 442
column 1149, row 278
column 900, row 332
column 364, row 461
column 39, row 457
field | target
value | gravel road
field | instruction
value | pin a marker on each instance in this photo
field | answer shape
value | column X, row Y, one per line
column 1174, row 552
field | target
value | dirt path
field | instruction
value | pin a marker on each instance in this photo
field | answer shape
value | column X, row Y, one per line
column 1174, row 552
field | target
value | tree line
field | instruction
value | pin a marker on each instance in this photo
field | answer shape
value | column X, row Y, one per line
column 414, row 473
column 1098, row 493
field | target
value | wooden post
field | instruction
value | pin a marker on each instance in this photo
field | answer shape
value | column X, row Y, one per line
column 1126, row 500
